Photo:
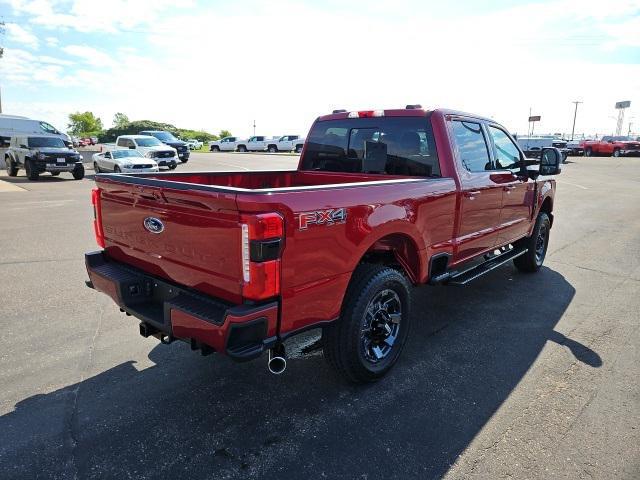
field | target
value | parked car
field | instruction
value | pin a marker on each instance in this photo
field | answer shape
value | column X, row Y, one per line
column 123, row 161
column 150, row 147
column 374, row 208
column 617, row 146
column 257, row 143
column 13, row 125
column 286, row 143
column 167, row 138
column 575, row 148
column 226, row 144
column 84, row 142
column 93, row 140
column 533, row 145
column 194, row 144
column 38, row 154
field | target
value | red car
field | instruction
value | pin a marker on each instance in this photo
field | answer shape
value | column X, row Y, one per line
column 239, row 262
column 84, row 142
column 616, row 146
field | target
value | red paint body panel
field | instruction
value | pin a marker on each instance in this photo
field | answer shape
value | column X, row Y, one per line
column 462, row 214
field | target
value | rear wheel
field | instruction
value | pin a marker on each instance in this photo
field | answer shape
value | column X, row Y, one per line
column 78, row 172
column 272, row 149
column 536, row 246
column 12, row 169
column 32, row 172
column 215, row 148
column 116, row 169
column 242, row 148
column 96, row 168
column 298, row 148
column 366, row 341
column 172, row 167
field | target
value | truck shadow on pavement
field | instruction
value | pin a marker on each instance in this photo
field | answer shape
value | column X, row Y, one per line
column 206, row 417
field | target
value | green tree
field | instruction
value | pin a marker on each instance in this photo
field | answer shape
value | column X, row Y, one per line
column 120, row 120
column 84, row 123
column 224, row 133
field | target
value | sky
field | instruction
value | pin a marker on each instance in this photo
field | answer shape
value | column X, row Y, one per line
column 221, row 65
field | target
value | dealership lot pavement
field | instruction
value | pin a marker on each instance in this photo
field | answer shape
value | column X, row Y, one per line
column 523, row 376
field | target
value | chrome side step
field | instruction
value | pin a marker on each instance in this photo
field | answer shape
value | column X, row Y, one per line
column 464, row 277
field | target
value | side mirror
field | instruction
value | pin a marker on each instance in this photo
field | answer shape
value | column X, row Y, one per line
column 550, row 160
column 132, row 147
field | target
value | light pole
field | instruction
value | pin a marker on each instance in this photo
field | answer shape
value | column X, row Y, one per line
column 254, row 128
column 575, row 114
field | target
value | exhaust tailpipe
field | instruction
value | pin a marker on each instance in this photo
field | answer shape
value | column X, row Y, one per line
column 277, row 363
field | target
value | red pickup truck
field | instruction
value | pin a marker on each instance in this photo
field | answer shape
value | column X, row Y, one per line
column 616, row 146
column 236, row 263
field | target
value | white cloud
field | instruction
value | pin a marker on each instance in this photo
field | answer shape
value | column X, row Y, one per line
column 51, row 41
column 90, row 55
column 22, row 36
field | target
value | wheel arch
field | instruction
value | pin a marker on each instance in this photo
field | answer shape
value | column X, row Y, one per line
column 396, row 249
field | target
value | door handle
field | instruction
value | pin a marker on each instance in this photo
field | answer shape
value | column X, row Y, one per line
column 509, row 187
column 472, row 193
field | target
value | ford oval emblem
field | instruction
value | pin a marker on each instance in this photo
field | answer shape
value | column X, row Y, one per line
column 153, row 225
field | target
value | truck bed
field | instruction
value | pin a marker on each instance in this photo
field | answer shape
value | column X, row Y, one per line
column 245, row 182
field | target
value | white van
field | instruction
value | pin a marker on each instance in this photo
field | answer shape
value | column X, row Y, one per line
column 11, row 125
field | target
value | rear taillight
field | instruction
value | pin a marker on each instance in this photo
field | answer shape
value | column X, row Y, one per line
column 262, row 243
column 97, row 217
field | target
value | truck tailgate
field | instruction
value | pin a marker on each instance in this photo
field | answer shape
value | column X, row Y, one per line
column 198, row 242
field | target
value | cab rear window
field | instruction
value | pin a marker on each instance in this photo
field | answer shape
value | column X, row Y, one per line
column 385, row 145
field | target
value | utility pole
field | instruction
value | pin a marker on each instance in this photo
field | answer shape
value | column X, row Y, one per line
column 254, row 128
column 575, row 113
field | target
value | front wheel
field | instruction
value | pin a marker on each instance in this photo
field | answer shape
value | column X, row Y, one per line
column 366, row 341
column 536, row 246
column 616, row 152
column 242, row 148
column 78, row 173
column 588, row 152
column 12, row 169
column 184, row 160
column 172, row 166
column 31, row 170
column 272, row 149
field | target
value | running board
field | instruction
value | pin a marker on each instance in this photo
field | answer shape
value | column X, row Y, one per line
column 467, row 276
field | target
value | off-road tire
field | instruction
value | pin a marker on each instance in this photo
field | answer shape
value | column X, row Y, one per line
column 32, row 173
column 534, row 258
column 343, row 341
column 78, row 172
column 12, row 169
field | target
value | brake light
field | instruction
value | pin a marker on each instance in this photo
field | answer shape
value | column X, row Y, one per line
column 262, row 242
column 366, row 114
column 97, row 217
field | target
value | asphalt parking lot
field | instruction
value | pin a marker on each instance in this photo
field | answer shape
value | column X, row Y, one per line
column 523, row 376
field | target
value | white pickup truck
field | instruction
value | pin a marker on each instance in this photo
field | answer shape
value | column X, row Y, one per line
column 286, row 143
column 257, row 143
column 226, row 144
column 150, row 147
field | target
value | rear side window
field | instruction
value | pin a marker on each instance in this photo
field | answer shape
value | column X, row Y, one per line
column 122, row 142
column 386, row 145
column 471, row 145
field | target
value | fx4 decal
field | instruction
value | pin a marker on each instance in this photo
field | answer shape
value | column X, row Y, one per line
column 322, row 217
